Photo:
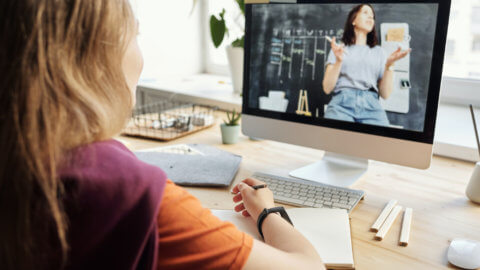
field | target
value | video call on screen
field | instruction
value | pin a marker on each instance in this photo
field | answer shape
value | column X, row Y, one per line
column 290, row 50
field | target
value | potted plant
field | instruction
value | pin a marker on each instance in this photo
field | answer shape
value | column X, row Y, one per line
column 230, row 128
column 218, row 32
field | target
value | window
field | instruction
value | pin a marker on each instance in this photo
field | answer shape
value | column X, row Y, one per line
column 463, row 60
column 450, row 50
column 461, row 82
column 476, row 44
column 170, row 36
column 216, row 61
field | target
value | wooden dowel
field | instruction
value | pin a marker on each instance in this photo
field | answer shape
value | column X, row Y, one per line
column 383, row 215
column 407, row 221
column 388, row 223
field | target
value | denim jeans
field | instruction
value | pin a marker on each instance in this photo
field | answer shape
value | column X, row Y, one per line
column 359, row 106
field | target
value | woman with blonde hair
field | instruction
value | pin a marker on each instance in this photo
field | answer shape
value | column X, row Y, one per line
column 72, row 197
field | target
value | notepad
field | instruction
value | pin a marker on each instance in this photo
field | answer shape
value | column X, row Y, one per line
column 194, row 164
column 327, row 229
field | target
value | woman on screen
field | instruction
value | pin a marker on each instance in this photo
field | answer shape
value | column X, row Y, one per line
column 358, row 72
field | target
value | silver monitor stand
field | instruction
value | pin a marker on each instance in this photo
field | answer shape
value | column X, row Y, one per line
column 334, row 169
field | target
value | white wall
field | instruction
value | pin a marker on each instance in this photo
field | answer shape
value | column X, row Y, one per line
column 170, row 37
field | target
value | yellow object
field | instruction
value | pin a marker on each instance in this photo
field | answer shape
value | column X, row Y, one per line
column 395, row 34
column 303, row 104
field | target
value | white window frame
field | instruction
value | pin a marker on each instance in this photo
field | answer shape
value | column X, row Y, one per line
column 460, row 91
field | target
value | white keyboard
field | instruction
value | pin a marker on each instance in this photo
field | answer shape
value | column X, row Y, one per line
column 303, row 193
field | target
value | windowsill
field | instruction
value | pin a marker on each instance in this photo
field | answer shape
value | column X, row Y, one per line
column 206, row 89
column 454, row 135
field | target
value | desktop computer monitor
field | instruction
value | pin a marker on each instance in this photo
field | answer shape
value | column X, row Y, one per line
column 358, row 79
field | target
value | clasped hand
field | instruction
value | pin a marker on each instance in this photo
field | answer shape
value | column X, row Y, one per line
column 251, row 201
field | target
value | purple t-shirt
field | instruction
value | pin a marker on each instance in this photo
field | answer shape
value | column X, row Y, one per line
column 112, row 201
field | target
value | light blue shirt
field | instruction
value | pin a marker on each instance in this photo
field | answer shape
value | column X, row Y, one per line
column 362, row 67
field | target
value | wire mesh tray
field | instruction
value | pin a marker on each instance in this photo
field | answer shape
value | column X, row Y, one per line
column 168, row 120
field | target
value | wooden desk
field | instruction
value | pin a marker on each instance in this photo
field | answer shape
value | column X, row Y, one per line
column 441, row 211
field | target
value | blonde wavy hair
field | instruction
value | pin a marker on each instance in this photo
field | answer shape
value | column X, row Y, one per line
column 61, row 86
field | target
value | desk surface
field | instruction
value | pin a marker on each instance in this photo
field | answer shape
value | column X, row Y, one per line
column 441, row 211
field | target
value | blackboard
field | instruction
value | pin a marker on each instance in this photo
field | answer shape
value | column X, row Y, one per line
column 289, row 50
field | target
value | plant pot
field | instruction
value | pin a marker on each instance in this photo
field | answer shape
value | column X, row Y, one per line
column 235, row 62
column 230, row 133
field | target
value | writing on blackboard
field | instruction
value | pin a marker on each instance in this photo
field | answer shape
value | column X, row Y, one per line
column 306, row 47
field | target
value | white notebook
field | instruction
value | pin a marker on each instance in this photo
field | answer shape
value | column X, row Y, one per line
column 327, row 229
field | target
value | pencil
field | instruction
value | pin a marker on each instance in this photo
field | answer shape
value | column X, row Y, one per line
column 475, row 128
column 259, row 186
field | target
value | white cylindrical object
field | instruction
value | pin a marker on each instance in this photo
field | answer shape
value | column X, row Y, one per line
column 473, row 187
column 235, row 62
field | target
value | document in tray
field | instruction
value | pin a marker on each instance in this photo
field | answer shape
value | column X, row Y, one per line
column 327, row 229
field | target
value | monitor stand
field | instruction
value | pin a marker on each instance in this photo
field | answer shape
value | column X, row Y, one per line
column 333, row 169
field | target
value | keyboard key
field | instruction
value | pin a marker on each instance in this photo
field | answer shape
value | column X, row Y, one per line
column 286, row 199
column 307, row 203
column 339, row 205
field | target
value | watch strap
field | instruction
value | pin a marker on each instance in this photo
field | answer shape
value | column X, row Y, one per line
column 266, row 212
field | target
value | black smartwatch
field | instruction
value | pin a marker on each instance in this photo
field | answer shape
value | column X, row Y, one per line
column 265, row 213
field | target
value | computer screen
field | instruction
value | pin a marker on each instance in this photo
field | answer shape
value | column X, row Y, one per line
column 366, row 67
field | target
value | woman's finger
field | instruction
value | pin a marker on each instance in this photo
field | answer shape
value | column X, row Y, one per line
column 239, row 207
column 252, row 182
column 235, row 190
column 245, row 213
column 333, row 43
column 237, row 197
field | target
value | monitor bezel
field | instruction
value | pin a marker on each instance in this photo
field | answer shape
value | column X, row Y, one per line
column 426, row 136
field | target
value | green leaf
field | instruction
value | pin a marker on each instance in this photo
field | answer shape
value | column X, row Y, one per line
column 239, row 42
column 232, row 118
column 229, row 119
column 218, row 28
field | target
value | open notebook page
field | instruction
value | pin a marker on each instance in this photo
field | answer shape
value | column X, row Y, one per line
column 327, row 229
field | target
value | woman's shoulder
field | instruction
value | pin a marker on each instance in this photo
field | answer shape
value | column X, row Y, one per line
column 109, row 165
column 112, row 200
column 377, row 48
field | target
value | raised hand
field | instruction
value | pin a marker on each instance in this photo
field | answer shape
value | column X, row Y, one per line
column 338, row 50
column 397, row 55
